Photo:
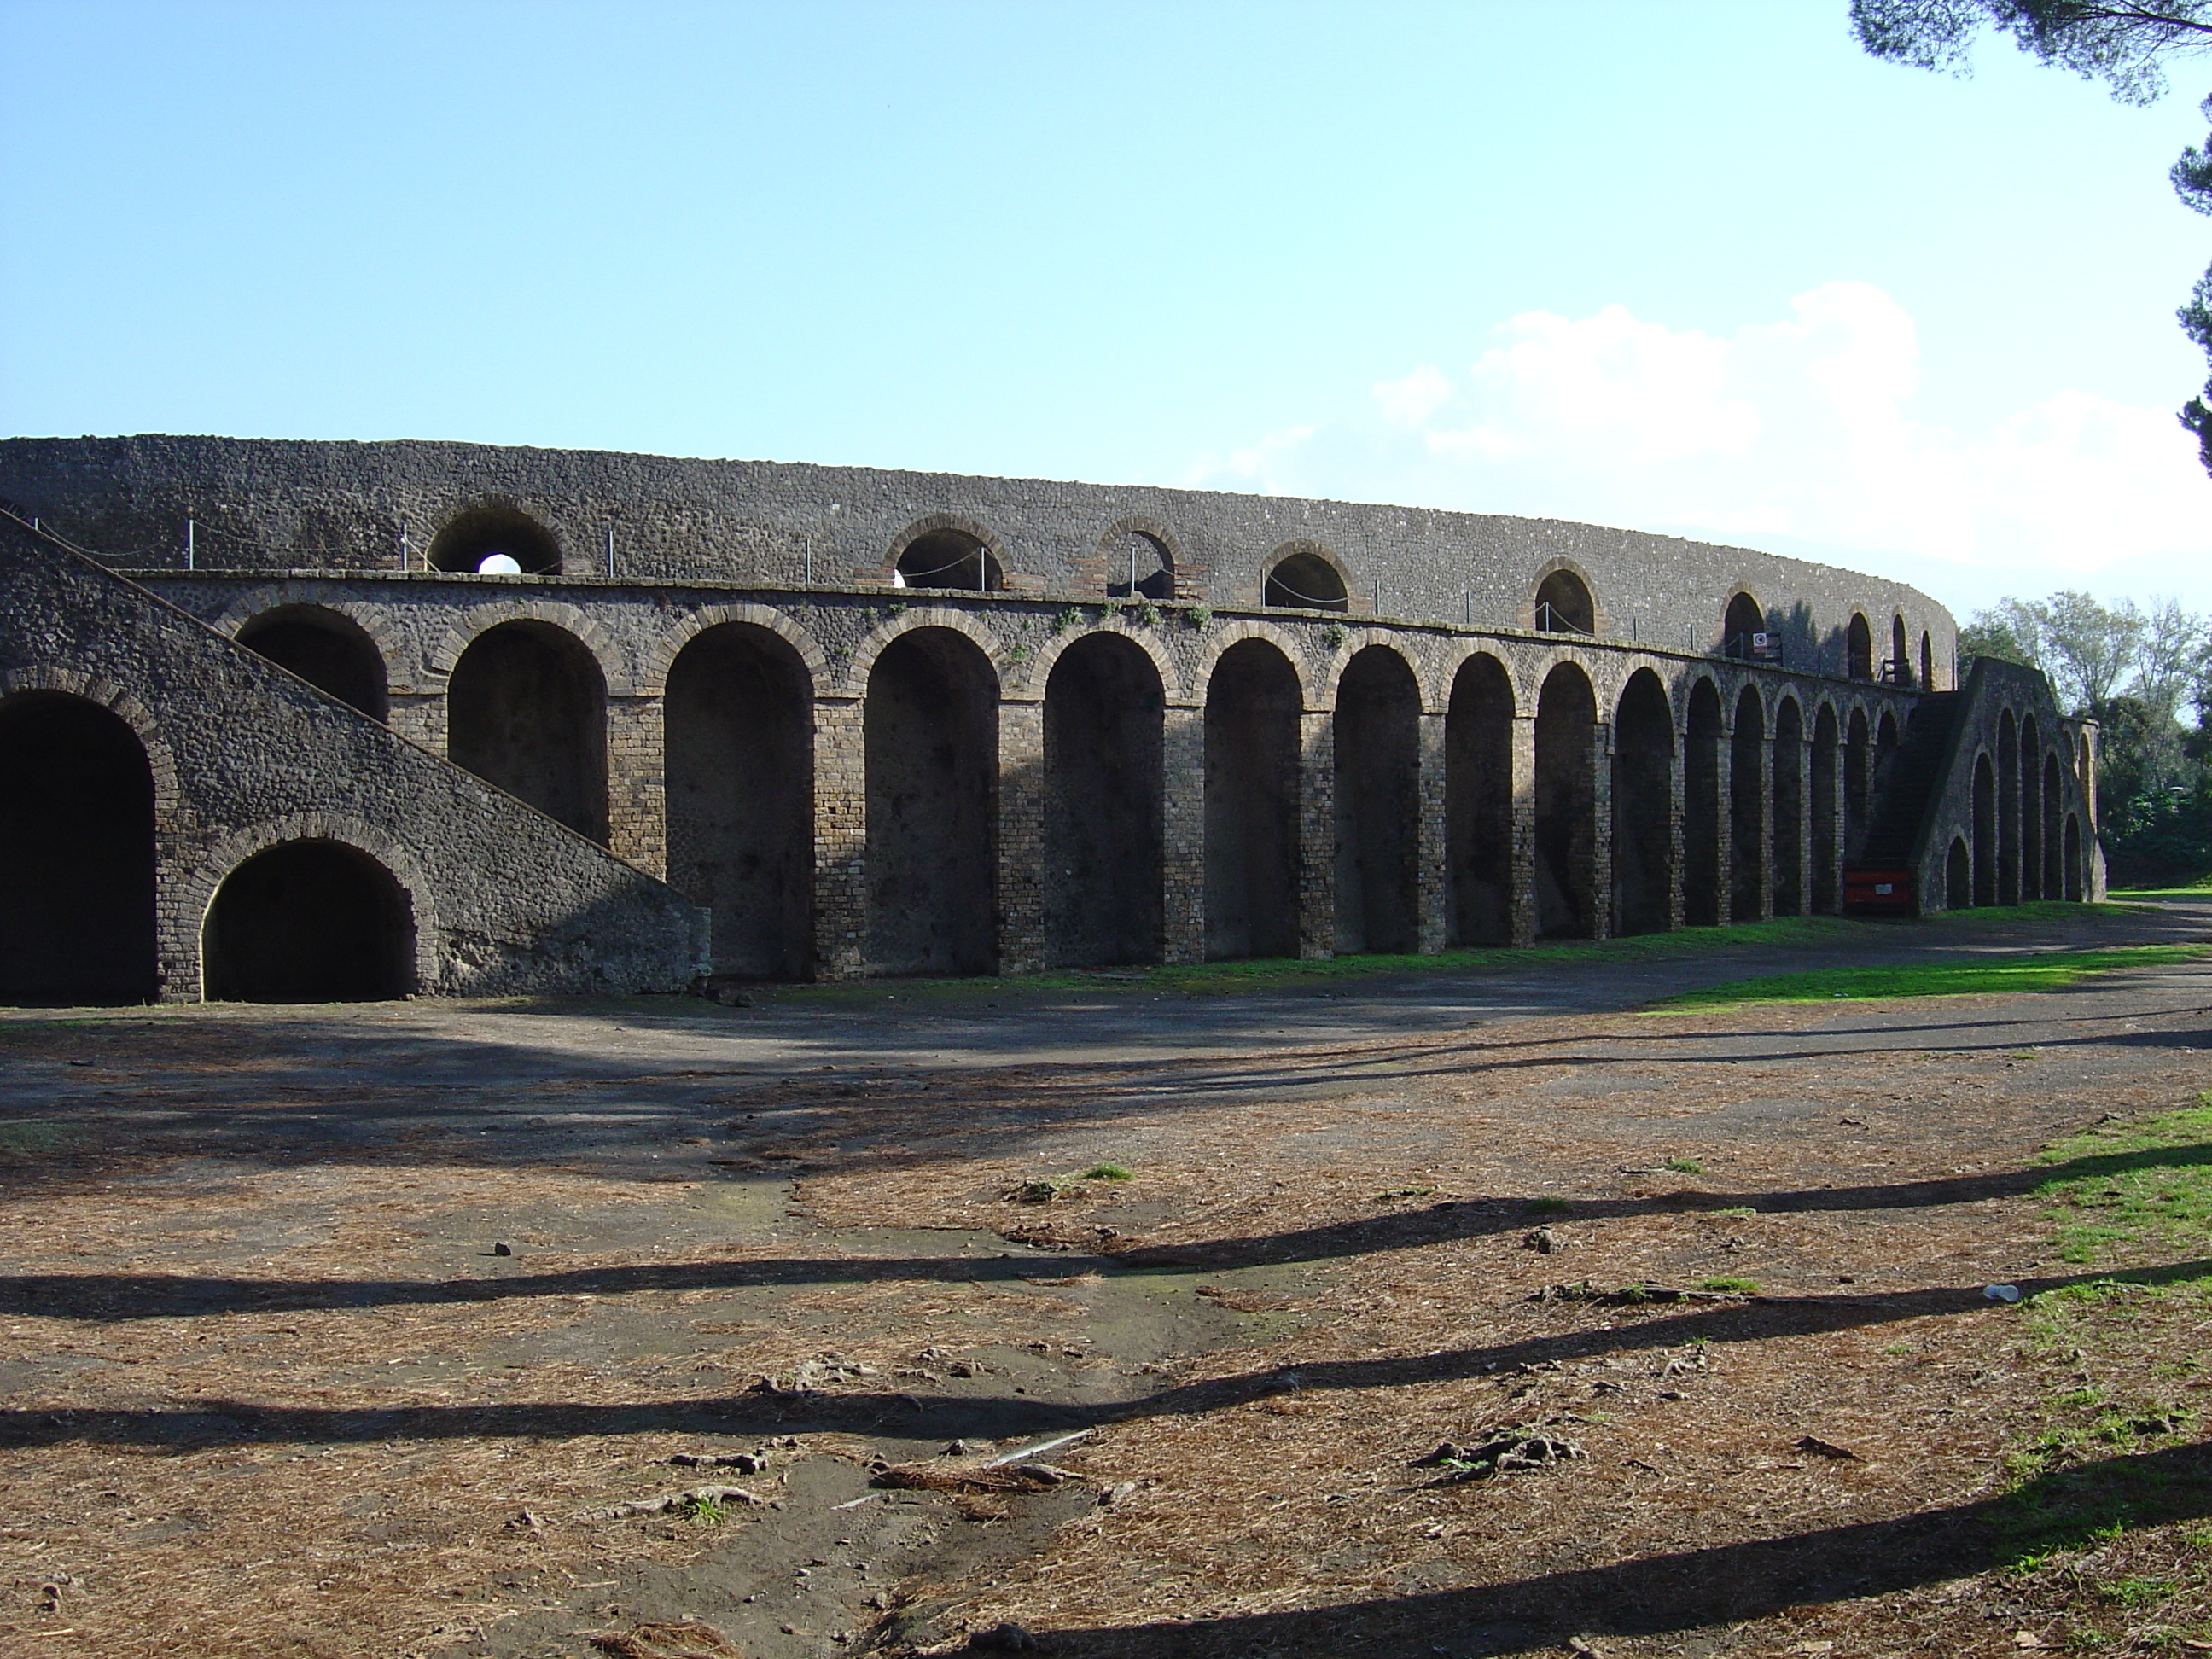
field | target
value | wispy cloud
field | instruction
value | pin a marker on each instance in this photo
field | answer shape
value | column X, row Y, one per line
column 1801, row 429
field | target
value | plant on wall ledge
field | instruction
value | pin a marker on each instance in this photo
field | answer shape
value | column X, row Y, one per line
column 1145, row 613
column 1068, row 617
column 1197, row 616
column 1338, row 634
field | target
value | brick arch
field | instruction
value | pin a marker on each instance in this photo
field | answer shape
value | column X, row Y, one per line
column 193, row 884
column 1037, row 671
column 161, row 758
column 881, row 635
column 372, row 620
column 993, row 544
column 478, row 619
column 1328, row 556
column 1461, row 650
column 1357, row 640
column 1249, row 628
column 1551, row 567
column 661, row 656
column 1144, row 524
column 1768, row 701
column 1539, row 665
column 1686, row 689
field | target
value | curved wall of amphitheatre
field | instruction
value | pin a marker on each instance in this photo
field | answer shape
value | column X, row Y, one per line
column 716, row 671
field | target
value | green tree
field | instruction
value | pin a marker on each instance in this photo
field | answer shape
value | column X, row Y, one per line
column 2123, row 43
column 2007, row 631
column 2088, row 650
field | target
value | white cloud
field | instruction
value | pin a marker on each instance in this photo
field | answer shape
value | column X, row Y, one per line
column 1802, row 429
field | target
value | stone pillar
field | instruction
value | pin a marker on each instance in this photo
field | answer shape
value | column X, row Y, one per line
column 1316, row 835
column 1678, row 842
column 1600, row 870
column 419, row 717
column 1522, row 870
column 1182, row 848
column 1021, row 836
column 1431, row 876
column 840, row 838
column 1839, row 764
column 637, row 783
column 1763, row 865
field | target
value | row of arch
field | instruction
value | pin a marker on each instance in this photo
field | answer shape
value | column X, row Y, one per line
column 951, row 554
column 1727, row 815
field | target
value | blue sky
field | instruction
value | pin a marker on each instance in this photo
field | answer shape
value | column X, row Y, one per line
column 1698, row 267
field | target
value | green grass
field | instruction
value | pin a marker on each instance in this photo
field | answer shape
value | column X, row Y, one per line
column 1733, row 1283
column 1684, row 1166
column 1547, row 1205
column 2125, row 1188
column 2039, row 970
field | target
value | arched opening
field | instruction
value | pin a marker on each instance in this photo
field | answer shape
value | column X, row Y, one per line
column 1747, row 820
column 1958, row 876
column 2054, row 803
column 526, row 711
column 1304, row 582
column 1564, row 605
column 332, row 652
column 1885, row 756
column 1253, row 703
column 1378, row 802
column 76, row 841
column 1858, row 649
column 1141, row 567
column 1789, row 858
column 1898, row 669
column 1743, row 628
column 1927, row 662
column 1642, row 808
column 1104, row 711
column 2031, row 808
column 932, row 743
column 308, row 921
column 1702, row 885
column 948, row 559
column 2008, row 808
column 496, row 541
column 1858, row 785
column 1478, row 803
column 1827, row 898
column 1986, row 831
column 738, row 733
column 2077, row 883
column 1567, row 804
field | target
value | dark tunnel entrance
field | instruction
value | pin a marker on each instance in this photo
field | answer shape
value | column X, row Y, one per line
column 308, row 921
column 1478, row 803
column 76, row 839
column 1253, row 705
column 1644, row 807
column 1702, row 887
column 739, row 730
column 1103, row 710
column 932, row 762
column 1378, row 803
column 330, row 651
column 1567, row 804
column 1748, row 822
column 527, row 708
column 1788, row 796
column 1826, row 858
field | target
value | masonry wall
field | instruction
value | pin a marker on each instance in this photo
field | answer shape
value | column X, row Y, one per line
column 246, row 757
column 272, row 507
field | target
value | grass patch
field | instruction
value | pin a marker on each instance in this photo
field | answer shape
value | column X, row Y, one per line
column 1547, row 1205
column 2039, row 970
column 1684, row 1166
column 1730, row 1284
column 2124, row 1188
column 1106, row 1172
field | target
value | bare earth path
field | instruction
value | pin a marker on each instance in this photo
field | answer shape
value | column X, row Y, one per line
column 270, row 1390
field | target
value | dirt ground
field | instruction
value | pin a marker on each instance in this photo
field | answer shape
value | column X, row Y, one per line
column 406, row 1329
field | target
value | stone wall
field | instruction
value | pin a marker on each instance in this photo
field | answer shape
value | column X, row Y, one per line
column 273, row 506
column 246, row 757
